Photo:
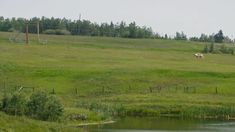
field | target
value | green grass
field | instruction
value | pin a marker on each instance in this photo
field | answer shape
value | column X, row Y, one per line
column 22, row 124
column 121, row 71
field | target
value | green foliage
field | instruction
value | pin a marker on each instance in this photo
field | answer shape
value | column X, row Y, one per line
column 53, row 109
column 24, row 124
column 40, row 106
column 36, row 105
column 108, row 110
column 126, row 68
column 12, row 30
column 232, row 51
column 209, row 49
column 44, row 107
column 215, row 50
column 14, row 104
column 57, row 32
column 64, row 26
column 206, row 49
column 224, row 49
column 212, row 46
column 180, row 36
column 219, row 37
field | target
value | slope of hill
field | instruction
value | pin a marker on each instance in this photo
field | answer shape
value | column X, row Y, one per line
column 119, row 77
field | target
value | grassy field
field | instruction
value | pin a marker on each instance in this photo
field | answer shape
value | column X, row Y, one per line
column 127, row 76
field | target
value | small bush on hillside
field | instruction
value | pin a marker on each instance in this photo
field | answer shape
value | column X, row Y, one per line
column 12, row 30
column 49, row 31
column 206, row 49
column 232, row 51
column 223, row 49
column 14, row 105
column 209, row 48
column 44, row 107
column 36, row 104
column 226, row 50
column 62, row 32
column 53, row 109
column 57, row 32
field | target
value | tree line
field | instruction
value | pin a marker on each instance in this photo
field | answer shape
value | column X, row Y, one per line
column 218, row 38
column 65, row 26
column 76, row 27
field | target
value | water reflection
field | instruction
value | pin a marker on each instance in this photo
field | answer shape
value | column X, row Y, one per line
column 164, row 125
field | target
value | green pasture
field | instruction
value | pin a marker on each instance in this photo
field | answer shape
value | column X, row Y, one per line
column 139, row 74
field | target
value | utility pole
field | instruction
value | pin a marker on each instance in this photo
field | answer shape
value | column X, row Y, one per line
column 38, row 32
column 27, row 33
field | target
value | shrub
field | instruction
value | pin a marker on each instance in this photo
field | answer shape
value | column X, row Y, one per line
column 57, row 32
column 14, row 105
column 36, row 104
column 44, row 107
column 223, row 49
column 12, row 30
column 232, row 51
column 53, row 109
column 40, row 106
column 62, row 32
column 49, row 31
column 206, row 49
column 226, row 50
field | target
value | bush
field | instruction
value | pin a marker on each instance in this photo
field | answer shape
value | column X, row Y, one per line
column 36, row 104
column 12, row 30
column 62, row 32
column 57, row 32
column 222, row 50
column 39, row 106
column 206, row 49
column 226, row 50
column 232, row 51
column 53, row 109
column 14, row 105
column 49, row 31
column 44, row 107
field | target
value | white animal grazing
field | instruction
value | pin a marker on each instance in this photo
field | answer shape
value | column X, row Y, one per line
column 199, row 55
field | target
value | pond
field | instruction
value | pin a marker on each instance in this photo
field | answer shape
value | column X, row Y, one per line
column 163, row 125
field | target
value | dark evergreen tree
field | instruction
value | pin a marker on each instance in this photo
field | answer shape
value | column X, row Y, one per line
column 219, row 37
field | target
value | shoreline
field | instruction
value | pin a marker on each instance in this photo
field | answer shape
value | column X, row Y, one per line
column 95, row 123
column 166, row 116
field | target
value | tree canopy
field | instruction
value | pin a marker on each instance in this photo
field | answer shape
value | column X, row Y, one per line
column 65, row 26
column 76, row 27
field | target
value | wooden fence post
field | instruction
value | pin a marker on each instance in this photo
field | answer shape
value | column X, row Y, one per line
column 76, row 90
column 53, row 91
column 150, row 89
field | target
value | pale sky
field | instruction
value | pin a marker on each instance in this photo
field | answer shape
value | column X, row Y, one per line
column 164, row 16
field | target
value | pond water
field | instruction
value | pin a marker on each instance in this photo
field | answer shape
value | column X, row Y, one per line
column 164, row 125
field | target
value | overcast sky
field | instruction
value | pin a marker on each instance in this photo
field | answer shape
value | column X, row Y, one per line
column 164, row 16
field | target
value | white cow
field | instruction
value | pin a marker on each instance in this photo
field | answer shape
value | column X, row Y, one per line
column 199, row 55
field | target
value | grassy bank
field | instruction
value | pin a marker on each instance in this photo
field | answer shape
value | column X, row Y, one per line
column 22, row 124
column 127, row 76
